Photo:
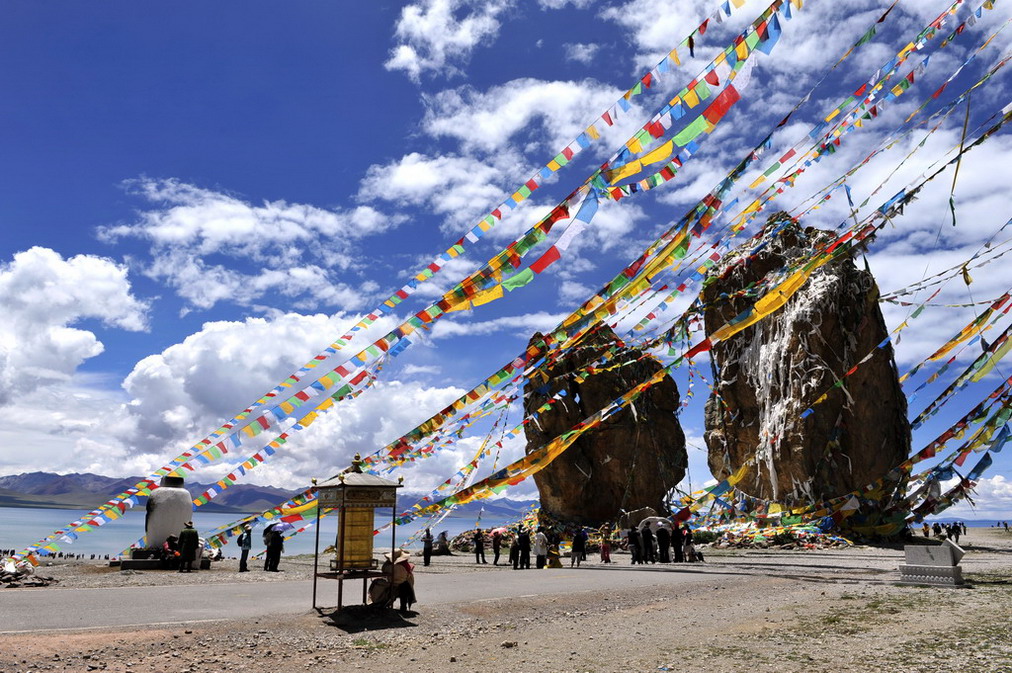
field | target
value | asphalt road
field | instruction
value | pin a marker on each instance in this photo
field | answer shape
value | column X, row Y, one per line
column 29, row 610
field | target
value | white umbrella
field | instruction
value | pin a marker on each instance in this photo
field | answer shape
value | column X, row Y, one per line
column 655, row 522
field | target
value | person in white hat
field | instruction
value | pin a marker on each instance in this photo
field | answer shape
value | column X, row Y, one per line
column 384, row 593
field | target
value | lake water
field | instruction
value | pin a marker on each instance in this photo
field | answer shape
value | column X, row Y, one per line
column 23, row 526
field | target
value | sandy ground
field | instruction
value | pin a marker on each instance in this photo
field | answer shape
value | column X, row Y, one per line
column 835, row 610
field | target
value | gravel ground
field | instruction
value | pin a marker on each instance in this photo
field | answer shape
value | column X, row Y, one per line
column 828, row 611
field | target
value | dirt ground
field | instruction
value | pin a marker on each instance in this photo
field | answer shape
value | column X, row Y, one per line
column 792, row 614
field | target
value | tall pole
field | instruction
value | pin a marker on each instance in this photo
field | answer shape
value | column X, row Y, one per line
column 393, row 542
column 316, row 550
column 340, row 552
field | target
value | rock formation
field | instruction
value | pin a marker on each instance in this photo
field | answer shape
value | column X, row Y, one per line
column 771, row 372
column 631, row 461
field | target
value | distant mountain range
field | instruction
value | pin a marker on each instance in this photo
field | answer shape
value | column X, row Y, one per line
column 87, row 491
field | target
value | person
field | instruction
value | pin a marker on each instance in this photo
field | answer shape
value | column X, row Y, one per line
column 540, row 549
column 426, row 547
column 634, row 546
column 170, row 552
column 443, row 545
column 266, row 537
column 579, row 548
column 663, row 545
column 606, row 545
column 687, row 547
column 399, row 583
column 496, row 545
column 647, row 541
column 515, row 551
column 963, row 524
column 524, row 550
column 677, row 543
column 936, row 529
column 189, row 540
column 926, row 528
column 245, row 542
column 479, row 546
column 275, row 545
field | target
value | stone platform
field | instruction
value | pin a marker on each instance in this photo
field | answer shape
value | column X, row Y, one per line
column 934, row 565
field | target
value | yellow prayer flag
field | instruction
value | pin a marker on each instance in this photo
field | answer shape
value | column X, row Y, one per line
column 659, row 154
column 593, row 132
column 487, row 296
column 631, row 168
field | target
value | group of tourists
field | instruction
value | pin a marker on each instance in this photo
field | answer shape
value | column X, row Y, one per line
column 951, row 531
column 653, row 542
column 664, row 543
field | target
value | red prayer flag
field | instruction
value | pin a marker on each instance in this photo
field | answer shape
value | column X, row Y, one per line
column 721, row 104
column 546, row 260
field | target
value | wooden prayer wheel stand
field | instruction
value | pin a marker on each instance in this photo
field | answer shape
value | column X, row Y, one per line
column 355, row 495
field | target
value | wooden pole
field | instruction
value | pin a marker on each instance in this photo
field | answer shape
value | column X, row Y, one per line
column 340, row 553
column 316, row 550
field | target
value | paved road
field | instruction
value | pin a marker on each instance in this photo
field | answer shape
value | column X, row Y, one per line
column 58, row 609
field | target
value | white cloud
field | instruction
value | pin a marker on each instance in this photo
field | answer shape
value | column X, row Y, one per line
column 292, row 249
column 460, row 188
column 437, row 36
column 992, row 498
column 549, row 115
column 559, row 4
column 522, row 325
column 580, row 53
column 43, row 295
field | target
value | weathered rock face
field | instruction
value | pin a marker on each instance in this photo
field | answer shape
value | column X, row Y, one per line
column 771, row 372
column 631, row 461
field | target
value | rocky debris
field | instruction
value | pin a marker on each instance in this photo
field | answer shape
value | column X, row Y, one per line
column 15, row 575
column 771, row 372
column 632, row 460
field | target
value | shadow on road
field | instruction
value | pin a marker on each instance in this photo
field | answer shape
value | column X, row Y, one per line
column 359, row 618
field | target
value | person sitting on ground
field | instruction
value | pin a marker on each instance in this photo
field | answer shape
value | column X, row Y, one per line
column 383, row 593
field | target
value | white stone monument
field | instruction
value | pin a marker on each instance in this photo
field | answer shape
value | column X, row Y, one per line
column 935, row 565
column 170, row 506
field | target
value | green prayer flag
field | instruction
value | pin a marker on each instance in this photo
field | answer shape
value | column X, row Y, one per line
column 519, row 280
column 692, row 131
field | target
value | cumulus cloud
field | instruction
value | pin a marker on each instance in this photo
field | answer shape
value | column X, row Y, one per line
column 177, row 396
column 43, row 296
column 992, row 499
column 460, row 188
column 549, row 114
column 522, row 325
column 437, row 36
column 580, row 53
column 294, row 250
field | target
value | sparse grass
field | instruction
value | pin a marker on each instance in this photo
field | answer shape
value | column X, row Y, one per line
column 371, row 645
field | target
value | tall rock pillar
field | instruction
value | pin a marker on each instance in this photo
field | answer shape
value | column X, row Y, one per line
column 631, row 461
column 771, row 372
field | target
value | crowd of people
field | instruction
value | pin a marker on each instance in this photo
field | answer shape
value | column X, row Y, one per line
column 650, row 542
column 944, row 531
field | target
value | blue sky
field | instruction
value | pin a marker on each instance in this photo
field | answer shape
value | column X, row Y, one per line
column 197, row 199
